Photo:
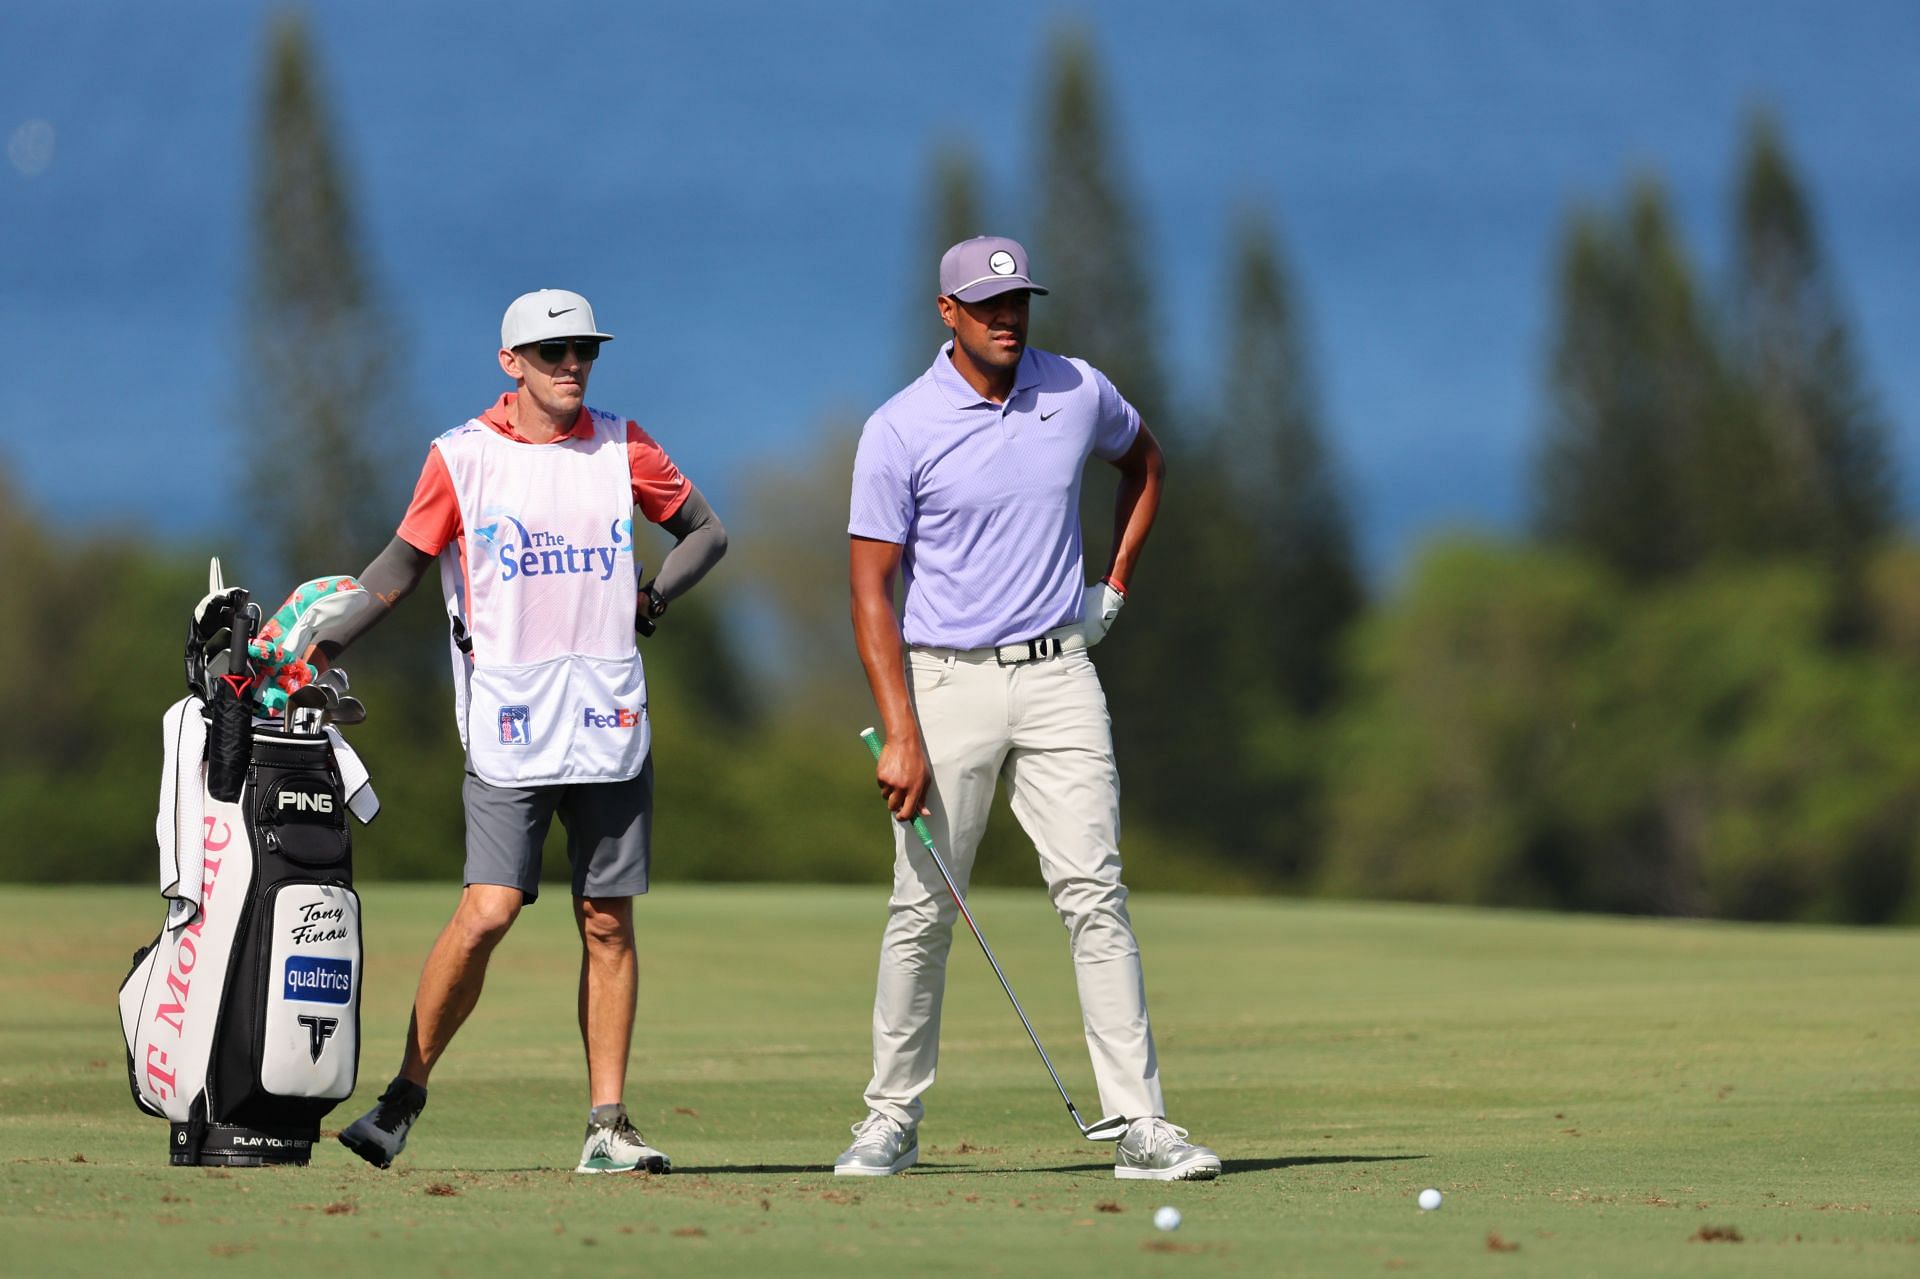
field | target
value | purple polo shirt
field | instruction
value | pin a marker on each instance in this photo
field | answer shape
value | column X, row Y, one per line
column 985, row 497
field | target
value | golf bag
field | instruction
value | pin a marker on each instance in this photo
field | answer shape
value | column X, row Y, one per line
column 242, row 1018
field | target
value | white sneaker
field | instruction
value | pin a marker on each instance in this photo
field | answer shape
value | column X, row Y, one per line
column 881, row 1147
column 614, row 1145
column 381, row 1134
column 1155, row 1150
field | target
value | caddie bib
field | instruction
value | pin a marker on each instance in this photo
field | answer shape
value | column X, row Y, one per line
column 548, row 683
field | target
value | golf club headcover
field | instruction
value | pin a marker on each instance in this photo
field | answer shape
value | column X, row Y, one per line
column 283, row 650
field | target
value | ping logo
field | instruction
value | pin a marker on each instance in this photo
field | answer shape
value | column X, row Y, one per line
column 306, row 801
column 319, row 1031
column 514, row 727
column 619, row 717
column 317, row 980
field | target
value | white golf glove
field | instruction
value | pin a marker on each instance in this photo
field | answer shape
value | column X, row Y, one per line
column 1099, row 605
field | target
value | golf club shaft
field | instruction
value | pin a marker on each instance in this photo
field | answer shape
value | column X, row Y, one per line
column 872, row 739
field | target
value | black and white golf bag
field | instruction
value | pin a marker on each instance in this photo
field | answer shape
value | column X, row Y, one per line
column 242, row 1019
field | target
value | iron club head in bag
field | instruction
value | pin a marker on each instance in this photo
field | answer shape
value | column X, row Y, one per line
column 1108, row 1128
column 306, row 710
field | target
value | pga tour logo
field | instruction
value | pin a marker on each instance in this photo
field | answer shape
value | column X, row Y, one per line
column 618, row 717
column 317, row 980
column 513, row 726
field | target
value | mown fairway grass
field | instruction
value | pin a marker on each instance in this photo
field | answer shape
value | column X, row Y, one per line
column 1594, row 1096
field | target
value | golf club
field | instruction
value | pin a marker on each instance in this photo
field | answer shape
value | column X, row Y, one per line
column 307, row 708
column 230, row 728
column 1110, row 1128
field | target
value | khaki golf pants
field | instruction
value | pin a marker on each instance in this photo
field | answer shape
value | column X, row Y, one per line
column 1042, row 727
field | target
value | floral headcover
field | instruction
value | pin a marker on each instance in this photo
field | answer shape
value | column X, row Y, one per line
column 280, row 672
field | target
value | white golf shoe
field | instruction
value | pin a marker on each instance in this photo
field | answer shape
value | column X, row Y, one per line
column 614, row 1145
column 881, row 1147
column 381, row 1134
column 1155, row 1150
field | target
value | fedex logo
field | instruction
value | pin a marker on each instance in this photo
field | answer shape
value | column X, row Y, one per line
column 619, row 717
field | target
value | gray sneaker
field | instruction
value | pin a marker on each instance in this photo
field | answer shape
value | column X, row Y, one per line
column 1155, row 1150
column 614, row 1145
column 381, row 1134
column 881, row 1147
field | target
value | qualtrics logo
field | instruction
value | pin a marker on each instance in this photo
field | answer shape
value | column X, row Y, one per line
column 619, row 717
column 316, row 979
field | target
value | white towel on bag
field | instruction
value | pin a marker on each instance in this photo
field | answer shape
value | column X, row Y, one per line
column 183, row 782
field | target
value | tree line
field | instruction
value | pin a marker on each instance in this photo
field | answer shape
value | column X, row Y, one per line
column 1682, row 689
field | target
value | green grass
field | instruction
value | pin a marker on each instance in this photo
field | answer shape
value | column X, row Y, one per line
column 1594, row 1091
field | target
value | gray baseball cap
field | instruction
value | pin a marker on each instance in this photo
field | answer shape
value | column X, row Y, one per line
column 984, row 267
column 548, row 313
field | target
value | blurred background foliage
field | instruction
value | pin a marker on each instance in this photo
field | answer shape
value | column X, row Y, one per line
column 1688, row 689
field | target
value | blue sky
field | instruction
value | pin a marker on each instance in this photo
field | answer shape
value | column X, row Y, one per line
column 738, row 188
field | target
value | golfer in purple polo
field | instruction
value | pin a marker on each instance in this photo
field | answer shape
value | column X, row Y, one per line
column 967, row 486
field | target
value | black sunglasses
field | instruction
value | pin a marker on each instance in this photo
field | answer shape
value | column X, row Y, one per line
column 553, row 350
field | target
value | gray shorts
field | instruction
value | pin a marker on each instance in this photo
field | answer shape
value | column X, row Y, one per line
column 609, row 833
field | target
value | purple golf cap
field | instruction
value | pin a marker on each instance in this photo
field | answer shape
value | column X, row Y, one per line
column 984, row 267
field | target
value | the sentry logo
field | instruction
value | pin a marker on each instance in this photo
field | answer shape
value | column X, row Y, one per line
column 524, row 552
column 619, row 717
column 317, row 980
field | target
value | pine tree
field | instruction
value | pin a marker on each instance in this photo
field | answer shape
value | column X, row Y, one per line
column 321, row 402
column 955, row 211
column 1307, row 588
column 1087, row 246
column 1177, row 721
column 1793, row 348
column 1638, row 406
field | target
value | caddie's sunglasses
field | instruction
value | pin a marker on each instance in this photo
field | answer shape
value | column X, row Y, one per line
column 554, row 350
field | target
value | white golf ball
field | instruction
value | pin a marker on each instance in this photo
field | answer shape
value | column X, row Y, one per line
column 1167, row 1217
column 1429, row 1199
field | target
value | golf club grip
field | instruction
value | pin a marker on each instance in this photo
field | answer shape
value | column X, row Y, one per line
column 872, row 739
column 230, row 737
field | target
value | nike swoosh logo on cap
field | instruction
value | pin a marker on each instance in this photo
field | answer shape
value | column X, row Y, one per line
column 554, row 315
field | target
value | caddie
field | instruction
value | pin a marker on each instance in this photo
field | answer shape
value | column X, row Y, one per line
column 966, row 486
column 529, row 509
